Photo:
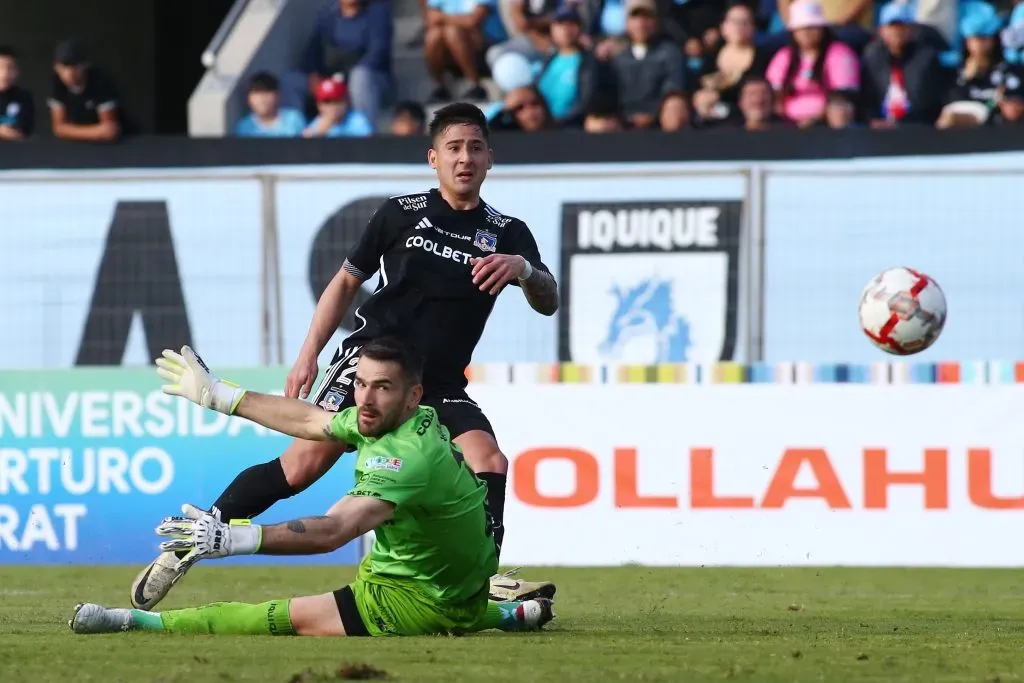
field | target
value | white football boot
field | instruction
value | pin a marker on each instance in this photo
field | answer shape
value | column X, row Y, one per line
column 506, row 589
column 92, row 618
column 155, row 581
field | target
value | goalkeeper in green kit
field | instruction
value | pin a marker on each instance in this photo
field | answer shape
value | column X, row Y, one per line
column 429, row 569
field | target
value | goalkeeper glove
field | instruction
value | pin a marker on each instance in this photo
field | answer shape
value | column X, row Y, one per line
column 190, row 378
column 204, row 536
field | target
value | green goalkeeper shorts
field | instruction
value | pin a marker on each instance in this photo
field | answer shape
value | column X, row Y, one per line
column 385, row 607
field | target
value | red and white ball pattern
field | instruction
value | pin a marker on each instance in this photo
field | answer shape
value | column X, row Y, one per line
column 902, row 311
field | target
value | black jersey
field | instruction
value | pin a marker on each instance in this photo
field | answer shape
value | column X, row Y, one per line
column 422, row 248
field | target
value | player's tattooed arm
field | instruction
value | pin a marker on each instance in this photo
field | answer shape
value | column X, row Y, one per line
column 348, row 519
column 541, row 291
column 306, row 536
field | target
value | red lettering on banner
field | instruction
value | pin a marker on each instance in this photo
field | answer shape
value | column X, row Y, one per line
column 816, row 465
column 586, row 479
column 878, row 478
column 626, row 495
column 783, row 484
column 702, row 484
column 979, row 483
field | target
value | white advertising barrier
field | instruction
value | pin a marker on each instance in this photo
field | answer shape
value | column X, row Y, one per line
column 828, row 232
column 762, row 475
column 102, row 272
column 103, row 269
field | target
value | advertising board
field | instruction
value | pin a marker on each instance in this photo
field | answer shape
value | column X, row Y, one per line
column 761, row 475
column 234, row 260
column 829, row 231
column 107, row 270
column 91, row 460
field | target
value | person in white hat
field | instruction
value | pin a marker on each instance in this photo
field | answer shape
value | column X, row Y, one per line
column 811, row 66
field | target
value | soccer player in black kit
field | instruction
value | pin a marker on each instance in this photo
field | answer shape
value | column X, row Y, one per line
column 443, row 256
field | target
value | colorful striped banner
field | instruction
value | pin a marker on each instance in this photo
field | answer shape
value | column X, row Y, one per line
column 895, row 372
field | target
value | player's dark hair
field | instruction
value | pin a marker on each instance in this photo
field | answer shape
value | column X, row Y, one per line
column 391, row 350
column 264, row 81
column 8, row 51
column 458, row 114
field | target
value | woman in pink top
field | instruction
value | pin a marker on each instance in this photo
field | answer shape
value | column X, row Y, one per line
column 822, row 65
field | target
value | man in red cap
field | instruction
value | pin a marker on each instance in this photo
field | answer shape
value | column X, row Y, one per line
column 336, row 119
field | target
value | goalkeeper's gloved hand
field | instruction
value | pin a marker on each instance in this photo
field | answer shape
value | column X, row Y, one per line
column 190, row 378
column 205, row 537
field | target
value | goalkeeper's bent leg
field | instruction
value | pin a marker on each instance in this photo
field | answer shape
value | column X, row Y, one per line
column 221, row 618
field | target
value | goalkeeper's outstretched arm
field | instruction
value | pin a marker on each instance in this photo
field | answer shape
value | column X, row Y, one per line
column 202, row 535
column 290, row 416
column 350, row 518
column 190, row 378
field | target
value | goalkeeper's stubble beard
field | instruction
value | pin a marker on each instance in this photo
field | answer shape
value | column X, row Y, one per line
column 374, row 422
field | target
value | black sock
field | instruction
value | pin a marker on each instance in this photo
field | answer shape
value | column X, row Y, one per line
column 496, row 505
column 253, row 491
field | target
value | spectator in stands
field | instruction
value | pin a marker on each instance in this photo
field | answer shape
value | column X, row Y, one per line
column 903, row 80
column 810, row 66
column 985, row 80
column 694, row 60
column 650, row 68
column 568, row 78
column 852, row 20
column 674, row 113
column 732, row 60
column 603, row 114
column 524, row 110
column 84, row 103
column 938, row 18
column 335, row 116
column 266, row 118
column 681, row 20
column 1013, row 36
column 757, row 106
column 17, row 110
column 409, row 119
column 1011, row 108
column 459, row 33
column 840, row 110
column 531, row 29
column 352, row 39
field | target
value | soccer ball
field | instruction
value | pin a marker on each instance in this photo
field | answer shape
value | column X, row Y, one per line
column 902, row 311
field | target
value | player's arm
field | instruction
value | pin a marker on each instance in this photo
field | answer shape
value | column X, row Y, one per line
column 203, row 536
column 339, row 294
column 335, row 301
column 347, row 520
column 519, row 264
column 190, row 378
column 540, row 289
column 289, row 416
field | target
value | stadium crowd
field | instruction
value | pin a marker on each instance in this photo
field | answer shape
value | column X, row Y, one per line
column 608, row 65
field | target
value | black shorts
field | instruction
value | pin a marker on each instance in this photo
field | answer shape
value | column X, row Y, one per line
column 455, row 409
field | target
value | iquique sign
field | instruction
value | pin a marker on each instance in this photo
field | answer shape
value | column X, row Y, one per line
column 761, row 474
column 650, row 282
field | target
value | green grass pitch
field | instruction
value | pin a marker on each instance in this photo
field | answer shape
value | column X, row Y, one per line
column 618, row 624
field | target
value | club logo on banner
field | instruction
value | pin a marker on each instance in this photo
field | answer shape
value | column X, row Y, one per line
column 649, row 282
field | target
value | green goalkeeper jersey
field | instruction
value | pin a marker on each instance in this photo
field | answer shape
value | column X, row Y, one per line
column 439, row 536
